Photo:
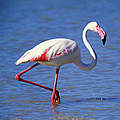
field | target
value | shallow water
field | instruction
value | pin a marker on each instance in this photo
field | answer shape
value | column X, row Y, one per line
column 92, row 95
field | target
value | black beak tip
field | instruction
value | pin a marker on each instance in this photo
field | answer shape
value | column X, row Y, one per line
column 104, row 40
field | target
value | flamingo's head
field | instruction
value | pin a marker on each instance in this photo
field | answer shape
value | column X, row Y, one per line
column 94, row 26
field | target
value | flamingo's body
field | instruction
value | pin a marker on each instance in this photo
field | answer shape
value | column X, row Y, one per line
column 56, row 52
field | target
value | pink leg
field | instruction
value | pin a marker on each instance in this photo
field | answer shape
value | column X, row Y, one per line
column 54, row 98
column 20, row 79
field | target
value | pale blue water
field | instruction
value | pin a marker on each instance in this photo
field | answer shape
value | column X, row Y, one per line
column 93, row 95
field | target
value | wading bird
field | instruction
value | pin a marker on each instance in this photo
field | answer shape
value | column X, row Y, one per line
column 60, row 51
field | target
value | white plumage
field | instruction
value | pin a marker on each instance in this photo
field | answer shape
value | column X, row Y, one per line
column 59, row 51
column 54, row 52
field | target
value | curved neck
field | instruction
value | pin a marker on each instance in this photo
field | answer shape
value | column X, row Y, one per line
column 82, row 65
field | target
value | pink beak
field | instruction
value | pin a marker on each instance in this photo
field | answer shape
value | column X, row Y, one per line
column 102, row 34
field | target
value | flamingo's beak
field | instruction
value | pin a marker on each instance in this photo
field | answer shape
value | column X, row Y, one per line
column 104, row 40
column 102, row 34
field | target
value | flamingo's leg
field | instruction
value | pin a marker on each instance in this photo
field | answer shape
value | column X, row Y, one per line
column 55, row 97
column 20, row 79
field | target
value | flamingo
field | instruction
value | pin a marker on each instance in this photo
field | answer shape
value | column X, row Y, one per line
column 60, row 51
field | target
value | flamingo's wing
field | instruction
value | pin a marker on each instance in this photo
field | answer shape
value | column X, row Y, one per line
column 37, row 53
column 48, row 50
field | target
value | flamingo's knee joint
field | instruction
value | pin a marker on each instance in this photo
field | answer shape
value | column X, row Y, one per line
column 17, row 77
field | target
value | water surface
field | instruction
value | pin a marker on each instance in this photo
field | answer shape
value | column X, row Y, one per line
column 92, row 95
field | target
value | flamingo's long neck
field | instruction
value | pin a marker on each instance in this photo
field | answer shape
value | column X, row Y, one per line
column 81, row 64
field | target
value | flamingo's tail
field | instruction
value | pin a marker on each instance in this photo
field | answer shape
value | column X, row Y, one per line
column 23, row 59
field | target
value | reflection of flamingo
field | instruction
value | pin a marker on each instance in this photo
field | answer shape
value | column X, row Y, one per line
column 57, row 52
